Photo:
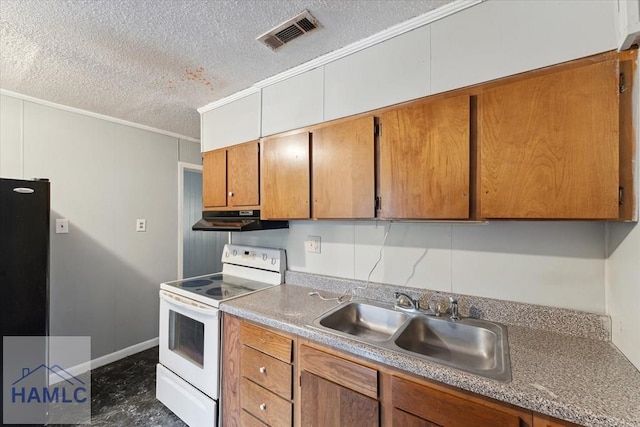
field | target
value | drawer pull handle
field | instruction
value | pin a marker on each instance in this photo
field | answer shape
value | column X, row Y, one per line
column 263, row 406
column 262, row 370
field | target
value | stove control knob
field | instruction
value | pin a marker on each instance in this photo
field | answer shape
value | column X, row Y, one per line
column 226, row 254
column 235, row 252
column 273, row 261
column 264, row 257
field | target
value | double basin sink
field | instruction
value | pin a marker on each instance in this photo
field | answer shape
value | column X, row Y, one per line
column 472, row 345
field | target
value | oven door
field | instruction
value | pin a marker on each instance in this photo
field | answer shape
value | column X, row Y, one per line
column 190, row 341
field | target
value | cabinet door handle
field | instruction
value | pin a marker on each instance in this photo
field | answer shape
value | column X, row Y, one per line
column 230, row 193
column 263, row 406
column 262, row 370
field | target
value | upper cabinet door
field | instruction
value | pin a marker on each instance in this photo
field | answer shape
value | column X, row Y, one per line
column 214, row 179
column 343, row 164
column 232, row 123
column 388, row 73
column 424, row 160
column 511, row 37
column 285, row 177
column 293, row 103
column 243, row 174
column 549, row 146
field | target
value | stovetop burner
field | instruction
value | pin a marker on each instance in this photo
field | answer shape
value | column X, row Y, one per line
column 216, row 292
column 196, row 283
column 214, row 287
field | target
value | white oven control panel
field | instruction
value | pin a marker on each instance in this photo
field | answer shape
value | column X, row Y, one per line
column 269, row 259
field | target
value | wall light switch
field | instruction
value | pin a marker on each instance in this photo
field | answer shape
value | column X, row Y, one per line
column 62, row 226
column 141, row 225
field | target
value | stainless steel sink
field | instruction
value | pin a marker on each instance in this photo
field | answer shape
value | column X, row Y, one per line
column 366, row 321
column 472, row 345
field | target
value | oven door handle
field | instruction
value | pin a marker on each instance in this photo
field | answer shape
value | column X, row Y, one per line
column 186, row 304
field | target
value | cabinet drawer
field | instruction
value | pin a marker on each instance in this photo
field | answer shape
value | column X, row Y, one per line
column 348, row 374
column 540, row 420
column 266, row 341
column 270, row 373
column 446, row 409
column 264, row 405
column 248, row 420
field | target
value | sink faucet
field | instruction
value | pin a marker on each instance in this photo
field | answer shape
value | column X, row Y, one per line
column 405, row 302
column 433, row 311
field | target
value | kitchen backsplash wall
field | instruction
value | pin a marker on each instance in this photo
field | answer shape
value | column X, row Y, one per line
column 559, row 264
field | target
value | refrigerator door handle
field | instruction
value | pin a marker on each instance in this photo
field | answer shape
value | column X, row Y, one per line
column 24, row 190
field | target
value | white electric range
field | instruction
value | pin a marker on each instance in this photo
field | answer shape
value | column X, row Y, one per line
column 188, row 375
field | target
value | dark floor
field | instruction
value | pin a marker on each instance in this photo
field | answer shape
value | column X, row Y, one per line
column 123, row 393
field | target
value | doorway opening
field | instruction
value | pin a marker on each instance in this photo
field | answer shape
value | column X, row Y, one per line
column 199, row 252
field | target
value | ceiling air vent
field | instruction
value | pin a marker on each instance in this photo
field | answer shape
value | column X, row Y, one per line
column 289, row 30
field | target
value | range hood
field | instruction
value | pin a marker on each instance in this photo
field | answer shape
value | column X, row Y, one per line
column 248, row 220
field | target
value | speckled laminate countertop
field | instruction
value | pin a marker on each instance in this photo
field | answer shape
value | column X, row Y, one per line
column 583, row 380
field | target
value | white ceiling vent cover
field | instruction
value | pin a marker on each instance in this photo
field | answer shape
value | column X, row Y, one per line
column 289, row 30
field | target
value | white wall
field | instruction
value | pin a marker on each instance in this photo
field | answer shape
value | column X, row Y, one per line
column 623, row 268
column 623, row 288
column 558, row 264
column 104, row 175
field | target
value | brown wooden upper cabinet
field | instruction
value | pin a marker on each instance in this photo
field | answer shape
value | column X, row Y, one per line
column 343, row 169
column 230, row 177
column 424, row 160
column 285, row 177
column 549, row 145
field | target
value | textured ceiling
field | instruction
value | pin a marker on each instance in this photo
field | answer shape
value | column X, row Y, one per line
column 154, row 62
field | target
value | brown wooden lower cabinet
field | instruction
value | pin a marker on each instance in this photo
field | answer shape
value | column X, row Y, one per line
column 540, row 420
column 248, row 420
column 405, row 419
column 444, row 409
column 332, row 388
column 265, row 405
column 324, row 403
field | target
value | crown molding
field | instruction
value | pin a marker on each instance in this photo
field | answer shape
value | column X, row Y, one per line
column 389, row 33
column 95, row 115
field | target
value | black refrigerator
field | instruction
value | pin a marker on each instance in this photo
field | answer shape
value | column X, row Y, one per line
column 24, row 262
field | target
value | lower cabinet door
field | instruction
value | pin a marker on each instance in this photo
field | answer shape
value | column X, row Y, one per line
column 437, row 408
column 328, row 404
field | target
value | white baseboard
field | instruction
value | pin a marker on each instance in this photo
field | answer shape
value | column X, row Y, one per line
column 106, row 359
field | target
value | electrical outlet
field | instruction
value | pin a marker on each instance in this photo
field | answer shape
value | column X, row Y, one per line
column 313, row 244
column 62, row 226
column 141, row 225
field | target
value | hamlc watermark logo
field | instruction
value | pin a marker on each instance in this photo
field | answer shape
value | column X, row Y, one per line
column 46, row 380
